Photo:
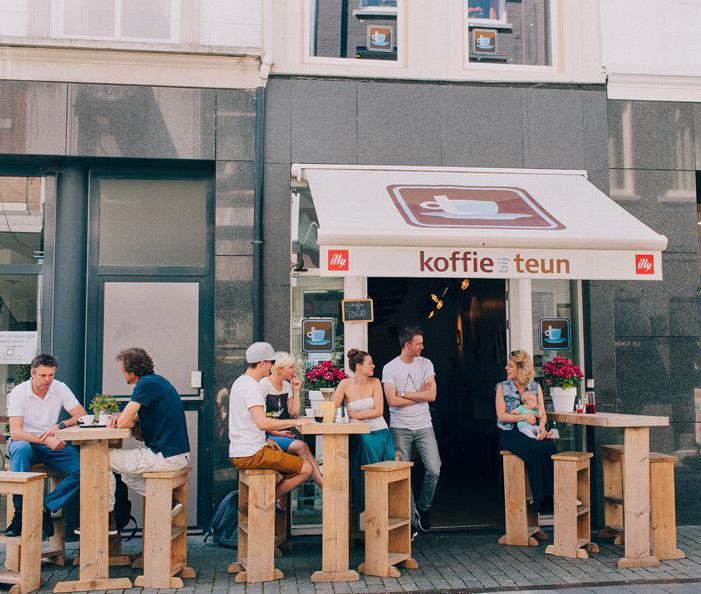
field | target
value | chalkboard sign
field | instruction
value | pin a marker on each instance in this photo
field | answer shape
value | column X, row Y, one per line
column 357, row 310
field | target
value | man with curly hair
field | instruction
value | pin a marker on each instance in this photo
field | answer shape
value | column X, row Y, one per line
column 156, row 406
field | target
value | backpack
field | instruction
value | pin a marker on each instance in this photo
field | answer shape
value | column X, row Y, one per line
column 224, row 526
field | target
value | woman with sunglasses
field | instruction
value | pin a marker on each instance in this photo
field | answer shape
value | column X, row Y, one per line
column 534, row 452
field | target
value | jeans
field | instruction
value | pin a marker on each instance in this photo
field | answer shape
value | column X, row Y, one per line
column 131, row 465
column 66, row 461
column 424, row 440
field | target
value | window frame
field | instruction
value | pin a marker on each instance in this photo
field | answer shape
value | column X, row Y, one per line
column 500, row 23
column 58, row 25
column 400, row 36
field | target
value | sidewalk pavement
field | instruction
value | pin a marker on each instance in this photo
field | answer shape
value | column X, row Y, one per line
column 459, row 561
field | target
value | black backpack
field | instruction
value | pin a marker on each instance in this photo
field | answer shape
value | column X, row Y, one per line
column 224, row 526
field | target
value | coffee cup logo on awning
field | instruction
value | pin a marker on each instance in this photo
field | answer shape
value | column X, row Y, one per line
column 471, row 206
column 338, row 260
column 644, row 264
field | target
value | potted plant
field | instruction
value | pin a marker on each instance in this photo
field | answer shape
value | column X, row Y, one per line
column 102, row 406
column 562, row 376
column 321, row 380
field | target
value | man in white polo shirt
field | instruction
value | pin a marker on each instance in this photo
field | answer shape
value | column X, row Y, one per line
column 410, row 384
column 34, row 408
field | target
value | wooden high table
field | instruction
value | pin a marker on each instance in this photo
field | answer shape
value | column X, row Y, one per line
column 636, row 477
column 94, row 479
column 336, row 495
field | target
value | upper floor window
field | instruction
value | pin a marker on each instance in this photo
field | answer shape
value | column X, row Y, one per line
column 359, row 29
column 508, row 31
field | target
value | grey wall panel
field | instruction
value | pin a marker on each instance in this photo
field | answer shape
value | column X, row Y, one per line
column 399, row 124
column 554, row 129
column 236, row 122
column 140, row 122
column 276, row 222
column 278, row 121
column 233, row 301
column 663, row 200
column 651, row 135
column 696, row 110
column 33, row 116
column 482, row 126
column 595, row 111
column 324, row 121
column 234, row 208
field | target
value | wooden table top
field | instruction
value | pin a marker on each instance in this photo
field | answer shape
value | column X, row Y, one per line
column 92, row 433
column 604, row 419
column 334, row 428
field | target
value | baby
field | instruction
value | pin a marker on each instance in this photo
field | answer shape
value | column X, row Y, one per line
column 528, row 406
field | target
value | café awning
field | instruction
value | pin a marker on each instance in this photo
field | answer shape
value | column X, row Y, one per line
column 490, row 223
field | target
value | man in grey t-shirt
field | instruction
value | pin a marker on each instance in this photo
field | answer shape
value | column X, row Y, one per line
column 410, row 384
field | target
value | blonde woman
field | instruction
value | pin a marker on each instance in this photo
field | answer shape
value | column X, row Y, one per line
column 534, row 452
column 282, row 401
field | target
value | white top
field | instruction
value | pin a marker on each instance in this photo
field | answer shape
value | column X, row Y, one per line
column 276, row 406
column 40, row 414
column 409, row 377
column 245, row 439
column 366, row 404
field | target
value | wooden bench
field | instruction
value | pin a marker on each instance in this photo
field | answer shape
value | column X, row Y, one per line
column 165, row 535
column 663, row 523
column 572, row 521
column 30, row 485
column 522, row 523
column 255, row 560
column 387, row 518
column 55, row 550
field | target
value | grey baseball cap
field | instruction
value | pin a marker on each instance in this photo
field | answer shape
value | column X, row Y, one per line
column 260, row 351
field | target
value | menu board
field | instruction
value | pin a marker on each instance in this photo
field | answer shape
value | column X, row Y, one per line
column 357, row 310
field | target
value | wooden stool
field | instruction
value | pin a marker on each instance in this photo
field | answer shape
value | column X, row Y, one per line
column 165, row 536
column 663, row 522
column 30, row 485
column 572, row 521
column 256, row 544
column 387, row 518
column 55, row 551
column 522, row 523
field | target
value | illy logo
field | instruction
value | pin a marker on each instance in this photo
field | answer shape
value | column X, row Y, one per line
column 338, row 260
column 644, row 264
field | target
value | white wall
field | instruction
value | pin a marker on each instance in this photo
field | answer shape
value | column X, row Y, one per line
column 651, row 48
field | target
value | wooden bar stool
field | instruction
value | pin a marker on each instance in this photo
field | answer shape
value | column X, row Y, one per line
column 522, row 523
column 256, row 543
column 387, row 518
column 572, row 521
column 663, row 522
column 30, row 485
column 55, row 550
column 165, row 535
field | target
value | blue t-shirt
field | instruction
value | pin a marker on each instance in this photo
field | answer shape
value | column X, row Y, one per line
column 161, row 416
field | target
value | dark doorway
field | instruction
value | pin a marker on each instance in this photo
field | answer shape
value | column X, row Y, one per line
column 466, row 341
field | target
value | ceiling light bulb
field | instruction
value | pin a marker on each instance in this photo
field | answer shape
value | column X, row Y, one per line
column 435, row 297
column 439, row 304
column 464, row 284
column 431, row 314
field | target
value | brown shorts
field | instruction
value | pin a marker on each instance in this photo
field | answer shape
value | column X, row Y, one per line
column 268, row 458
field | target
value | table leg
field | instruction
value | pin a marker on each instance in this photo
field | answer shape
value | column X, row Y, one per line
column 94, row 543
column 335, row 513
column 636, row 499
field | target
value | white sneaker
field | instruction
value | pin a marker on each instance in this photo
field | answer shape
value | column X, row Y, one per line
column 177, row 508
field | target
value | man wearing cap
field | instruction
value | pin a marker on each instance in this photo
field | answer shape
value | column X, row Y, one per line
column 248, row 447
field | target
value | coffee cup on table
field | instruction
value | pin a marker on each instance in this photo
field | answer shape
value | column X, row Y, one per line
column 104, row 418
column 86, row 419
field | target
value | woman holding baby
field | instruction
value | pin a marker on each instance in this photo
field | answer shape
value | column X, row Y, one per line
column 531, row 444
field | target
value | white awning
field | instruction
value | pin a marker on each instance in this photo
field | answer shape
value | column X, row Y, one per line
column 490, row 223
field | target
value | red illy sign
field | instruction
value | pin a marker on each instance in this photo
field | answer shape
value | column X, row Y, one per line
column 644, row 264
column 338, row 260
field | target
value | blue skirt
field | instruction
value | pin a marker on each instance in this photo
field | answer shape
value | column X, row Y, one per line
column 367, row 448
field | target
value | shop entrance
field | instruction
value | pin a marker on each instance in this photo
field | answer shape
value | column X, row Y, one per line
column 465, row 338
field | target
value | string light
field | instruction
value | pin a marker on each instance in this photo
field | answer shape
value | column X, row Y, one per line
column 431, row 314
column 435, row 298
column 464, row 284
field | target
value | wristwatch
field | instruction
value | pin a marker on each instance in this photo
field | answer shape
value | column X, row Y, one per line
column 61, row 425
column 402, row 394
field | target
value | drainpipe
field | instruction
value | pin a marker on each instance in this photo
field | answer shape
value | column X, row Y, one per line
column 258, row 217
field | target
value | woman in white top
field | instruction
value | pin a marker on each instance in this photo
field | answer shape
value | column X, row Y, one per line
column 365, row 401
column 282, row 401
